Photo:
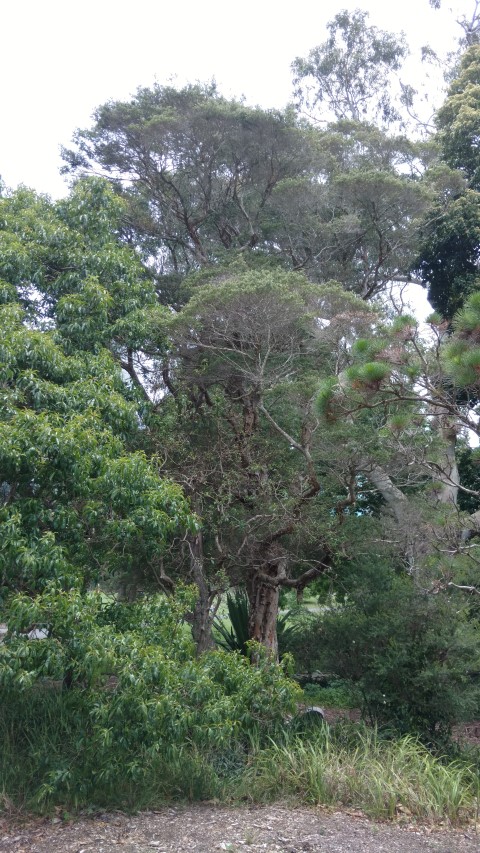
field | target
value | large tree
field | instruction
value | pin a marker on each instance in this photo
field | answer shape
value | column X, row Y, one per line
column 449, row 254
column 246, row 356
column 198, row 170
column 208, row 180
column 80, row 501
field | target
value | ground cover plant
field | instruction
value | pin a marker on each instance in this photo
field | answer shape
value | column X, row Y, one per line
column 357, row 768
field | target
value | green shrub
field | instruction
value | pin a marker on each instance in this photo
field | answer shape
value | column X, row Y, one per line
column 113, row 697
column 408, row 654
column 338, row 694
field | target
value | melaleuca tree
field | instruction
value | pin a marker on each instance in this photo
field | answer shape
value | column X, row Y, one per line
column 199, row 171
column 354, row 216
column 211, row 187
column 246, row 355
column 208, row 180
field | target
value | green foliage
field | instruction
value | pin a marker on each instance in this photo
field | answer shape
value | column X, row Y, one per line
column 407, row 652
column 462, row 355
column 448, row 259
column 303, row 641
column 216, row 163
column 338, row 694
column 233, row 635
column 137, row 698
column 449, row 254
column 79, row 502
column 349, row 72
column 369, row 375
column 458, row 118
column 469, row 469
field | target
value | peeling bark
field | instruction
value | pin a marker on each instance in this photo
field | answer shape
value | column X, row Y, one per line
column 449, row 475
column 263, row 598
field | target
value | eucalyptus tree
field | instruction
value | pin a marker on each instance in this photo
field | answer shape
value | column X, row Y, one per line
column 449, row 253
column 350, row 74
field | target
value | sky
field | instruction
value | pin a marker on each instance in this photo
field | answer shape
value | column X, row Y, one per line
column 59, row 59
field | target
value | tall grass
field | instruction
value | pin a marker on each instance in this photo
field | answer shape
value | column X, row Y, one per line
column 382, row 778
column 348, row 766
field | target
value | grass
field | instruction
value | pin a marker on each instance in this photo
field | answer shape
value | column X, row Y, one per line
column 382, row 778
column 346, row 766
column 337, row 695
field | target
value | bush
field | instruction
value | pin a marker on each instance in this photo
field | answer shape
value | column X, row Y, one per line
column 408, row 653
column 112, row 700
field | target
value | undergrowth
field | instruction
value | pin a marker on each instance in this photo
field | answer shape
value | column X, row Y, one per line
column 346, row 766
column 337, row 695
column 355, row 767
column 111, row 709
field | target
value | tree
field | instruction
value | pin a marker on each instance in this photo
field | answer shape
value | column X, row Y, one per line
column 79, row 502
column 226, row 206
column 409, row 655
column 448, row 259
column 350, row 72
column 341, row 203
column 198, row 170
column 246, row 354
column 458, row 119
column 208, row 180
column 354, row 217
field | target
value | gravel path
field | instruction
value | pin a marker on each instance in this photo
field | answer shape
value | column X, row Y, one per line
column 207, row 828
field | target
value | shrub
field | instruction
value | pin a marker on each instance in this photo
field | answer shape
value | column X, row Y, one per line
column 408, row 653
column 113, row 698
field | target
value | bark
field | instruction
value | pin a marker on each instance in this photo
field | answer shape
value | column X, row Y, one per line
column 449, row 475
column 263, row 598
column 395, row 499
column 399, row 507
column 202, row 614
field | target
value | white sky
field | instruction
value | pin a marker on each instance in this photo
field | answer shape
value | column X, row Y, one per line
column 60, row 59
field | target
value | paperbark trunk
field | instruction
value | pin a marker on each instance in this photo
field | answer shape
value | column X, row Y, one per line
column 263, row 599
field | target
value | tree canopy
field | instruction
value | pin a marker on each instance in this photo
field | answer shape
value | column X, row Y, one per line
column 205, row 383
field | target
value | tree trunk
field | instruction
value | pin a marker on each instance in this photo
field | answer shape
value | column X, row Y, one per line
column 202, row 614
column 449, row 475
column 399, row 507
column 263, row 599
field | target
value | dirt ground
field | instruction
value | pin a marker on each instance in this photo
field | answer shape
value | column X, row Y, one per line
column 207, row 828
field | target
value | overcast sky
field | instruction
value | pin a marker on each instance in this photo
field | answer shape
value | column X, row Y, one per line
column 60, row 59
